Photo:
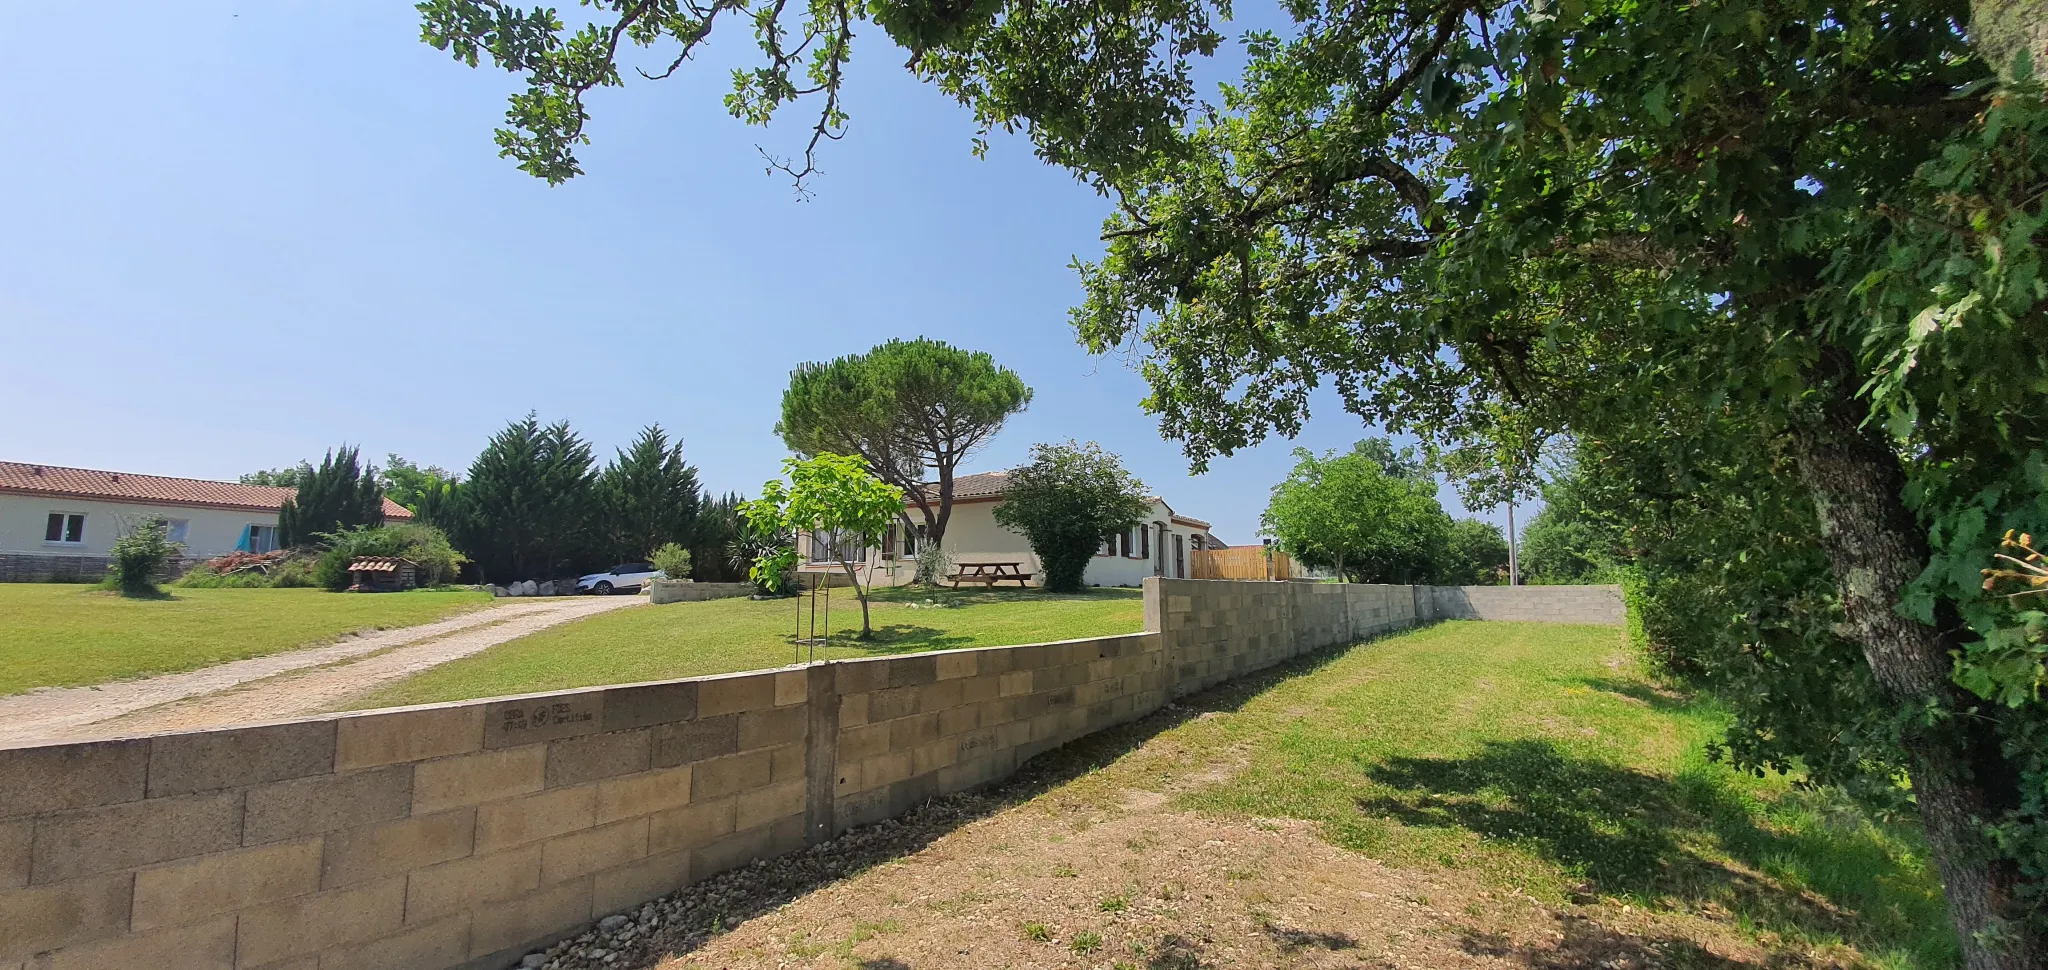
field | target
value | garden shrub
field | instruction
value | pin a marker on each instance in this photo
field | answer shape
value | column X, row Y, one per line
column 140, row 557
column 673, row 560
column 424, row 545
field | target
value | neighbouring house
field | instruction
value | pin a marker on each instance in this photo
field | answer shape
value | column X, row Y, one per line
column 1162, row 544
column 60, row 523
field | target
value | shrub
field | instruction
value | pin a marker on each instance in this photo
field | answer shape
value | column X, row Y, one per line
column 1065, row 502
column 934, row 563
column 140, row 557
column 424, row 545
column 673, row 560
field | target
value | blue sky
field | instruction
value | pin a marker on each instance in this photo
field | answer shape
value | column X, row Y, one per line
column 237, row 233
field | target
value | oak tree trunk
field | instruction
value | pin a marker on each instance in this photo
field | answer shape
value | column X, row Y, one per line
column 1959, row 777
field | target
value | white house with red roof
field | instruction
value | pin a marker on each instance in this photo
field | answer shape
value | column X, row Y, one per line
column 51, row 510
column 1159, row 545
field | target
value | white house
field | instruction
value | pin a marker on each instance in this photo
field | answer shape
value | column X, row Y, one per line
column 50, row 514
column 1158, row 546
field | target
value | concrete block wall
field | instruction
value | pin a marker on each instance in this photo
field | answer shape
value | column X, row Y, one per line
column 1601, row 605
column 912, row 727
column 418, row 838
column 463, row 835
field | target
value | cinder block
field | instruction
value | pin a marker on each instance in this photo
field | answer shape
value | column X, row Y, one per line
column 927, row 758
column 731, row 695
column 462, row 884
column 766, row 805
column 442, row 943
column 1015, row 683
column 134, row 834
column 887, row 769
column 69, row 776
column 786, row 762
column 730, row 852
column 733, row 773
column 781, row 725
column 910, row 732
column 913, row 671
column 324, row 803
column 573, row 761
column 14, row 853
column 698, row 740
column 630, row 885
column 853, row 710
column 860, row 809
column 368, row 740
column 862, row 742
column 975, row 690
column 184, row 763
column 311, row 924
column 582, row 853
column 692, row 826
column 534, row 817
column 645, row 705
column 959, row 720
column 957, row 664
column 47, row 917
column 792, row 687
column 643, row 794
column 185, row 892
column 529, row 720
column 357, row 855
column 555, row 909
column 860, row 676
column 199, row 946
column 890, row 704
column 475, row 778
column 935, row 697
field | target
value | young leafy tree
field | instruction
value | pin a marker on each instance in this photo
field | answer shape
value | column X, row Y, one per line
column 412, row 485
column 1478, row 555
column 1345, row 512
column 1064, row 502
column 1808, row 232
column 336, row 495
column 827, row 494
column 529, row 501
column 648, row 496
column 907, row 408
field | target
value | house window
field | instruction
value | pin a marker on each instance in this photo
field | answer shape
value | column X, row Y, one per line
column 1180, row 559
column 176, row 529
column 1108, row 546
column 910, row 537
column 1196, row 542
column 1144, row 542
column 832, row 547
column 65, row 527
column 263, row 538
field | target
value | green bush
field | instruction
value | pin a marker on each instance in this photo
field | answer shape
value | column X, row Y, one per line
column 200, row 577
column 140, row 557
column 424, row 545
column 673, row 560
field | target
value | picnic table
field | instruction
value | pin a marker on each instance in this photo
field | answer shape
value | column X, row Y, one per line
column 989, row 573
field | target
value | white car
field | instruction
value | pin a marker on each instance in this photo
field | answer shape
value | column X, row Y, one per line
column 623, row 578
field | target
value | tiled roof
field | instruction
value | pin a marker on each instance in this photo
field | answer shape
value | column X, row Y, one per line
column 86, row 483
column 378, row 564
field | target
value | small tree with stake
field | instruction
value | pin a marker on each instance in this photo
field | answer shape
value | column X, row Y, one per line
column 830, row 495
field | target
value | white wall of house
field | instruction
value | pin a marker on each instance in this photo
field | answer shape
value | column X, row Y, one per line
column 24, row 520
column 973, row 535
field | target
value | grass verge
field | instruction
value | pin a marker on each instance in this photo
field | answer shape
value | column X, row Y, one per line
column 722, row 636
column 69, row 636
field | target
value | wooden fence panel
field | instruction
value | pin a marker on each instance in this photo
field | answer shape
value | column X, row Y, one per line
column 1241, row 562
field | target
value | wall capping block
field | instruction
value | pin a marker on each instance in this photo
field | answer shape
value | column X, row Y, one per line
column 467, row 834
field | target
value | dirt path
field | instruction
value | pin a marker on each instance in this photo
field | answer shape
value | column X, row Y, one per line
column 279, row 685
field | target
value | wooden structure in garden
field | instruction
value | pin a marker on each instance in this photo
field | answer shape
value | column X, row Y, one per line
column 383, row 574
column 1241, row 562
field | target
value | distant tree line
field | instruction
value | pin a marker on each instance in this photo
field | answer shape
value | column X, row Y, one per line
column 534, row 504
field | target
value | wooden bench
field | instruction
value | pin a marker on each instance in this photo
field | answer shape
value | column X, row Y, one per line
column 989, row 573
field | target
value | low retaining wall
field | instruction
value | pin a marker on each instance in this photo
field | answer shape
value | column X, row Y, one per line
column 466, row 834
column 29, row 567
column 1542, row 604
column 662, row 592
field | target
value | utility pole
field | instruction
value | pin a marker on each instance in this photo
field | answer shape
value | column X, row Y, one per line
column 1514, row 566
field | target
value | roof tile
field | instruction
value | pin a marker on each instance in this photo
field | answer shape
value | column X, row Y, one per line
column 86, row 483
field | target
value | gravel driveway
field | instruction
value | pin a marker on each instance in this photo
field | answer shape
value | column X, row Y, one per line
column 280, row 685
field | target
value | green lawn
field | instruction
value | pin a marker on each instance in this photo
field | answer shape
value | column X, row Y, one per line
column 66, row 636
column 1538, row 758
column 722, row 636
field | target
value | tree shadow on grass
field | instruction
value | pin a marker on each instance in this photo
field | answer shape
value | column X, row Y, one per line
column 1638, row 836
column 1584, row 943
column 1655, row 699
